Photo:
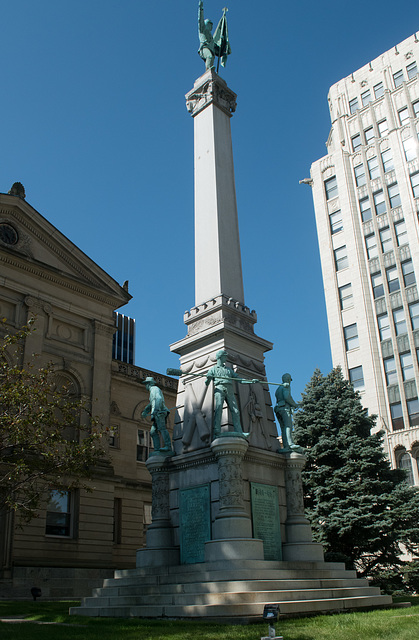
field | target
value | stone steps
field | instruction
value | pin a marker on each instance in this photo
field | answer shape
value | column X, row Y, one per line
column 236, row 611
column 224, row 575
column 209, row 598
column 235, row 593
column 227, row 586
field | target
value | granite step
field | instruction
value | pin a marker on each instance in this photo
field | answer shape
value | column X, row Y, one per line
column 237, row 597
column 228, row 586
column 226, row 575
column 233, row 612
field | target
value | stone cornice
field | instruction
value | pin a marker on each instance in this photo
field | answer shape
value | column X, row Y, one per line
column 138, row 374
column 56, row 278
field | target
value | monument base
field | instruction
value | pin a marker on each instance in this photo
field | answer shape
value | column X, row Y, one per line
column 232, row 591
column 233, row 549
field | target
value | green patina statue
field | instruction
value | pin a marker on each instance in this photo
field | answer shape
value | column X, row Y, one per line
column 212, row 46
column 285, row 404
column 223, row 378
column 159, row 413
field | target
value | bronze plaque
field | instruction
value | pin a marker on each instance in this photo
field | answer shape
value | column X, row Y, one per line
column 265, row 518
column 195, row 523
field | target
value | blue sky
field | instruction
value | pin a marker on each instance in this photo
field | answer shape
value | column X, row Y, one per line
column 94, row 125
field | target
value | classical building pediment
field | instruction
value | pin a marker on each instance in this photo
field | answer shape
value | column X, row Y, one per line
column 28, row 242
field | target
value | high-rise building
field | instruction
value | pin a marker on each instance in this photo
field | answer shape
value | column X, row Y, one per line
column 366, row 200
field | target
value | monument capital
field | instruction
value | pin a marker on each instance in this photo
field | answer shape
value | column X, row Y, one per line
column 211, row 89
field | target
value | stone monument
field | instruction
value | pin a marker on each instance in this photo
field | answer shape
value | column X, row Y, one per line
column 228, row 532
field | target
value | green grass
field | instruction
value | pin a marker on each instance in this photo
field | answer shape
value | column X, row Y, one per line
column 389, row 624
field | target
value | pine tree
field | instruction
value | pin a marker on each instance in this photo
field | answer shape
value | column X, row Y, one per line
column 360, row 509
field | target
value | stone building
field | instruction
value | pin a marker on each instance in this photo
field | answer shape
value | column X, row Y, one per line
column 366, row 199
column 44, row 275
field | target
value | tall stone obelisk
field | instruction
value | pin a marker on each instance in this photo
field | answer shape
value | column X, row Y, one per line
column 220, row 318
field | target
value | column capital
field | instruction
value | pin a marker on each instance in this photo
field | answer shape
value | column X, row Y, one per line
column 211, row 89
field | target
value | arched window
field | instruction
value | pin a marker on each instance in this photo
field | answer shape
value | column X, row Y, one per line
column 404, row 461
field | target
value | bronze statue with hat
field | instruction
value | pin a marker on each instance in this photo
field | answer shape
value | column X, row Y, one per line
column 159, row 412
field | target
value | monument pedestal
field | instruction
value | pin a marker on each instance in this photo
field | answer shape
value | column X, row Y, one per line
column 299, row 545
column 232, row 528
column 160, row 549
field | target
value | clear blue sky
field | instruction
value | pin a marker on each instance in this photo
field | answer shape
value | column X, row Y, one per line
column 94, row 124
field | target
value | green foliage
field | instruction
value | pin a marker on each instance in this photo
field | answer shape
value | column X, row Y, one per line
column 48, row 439
column 360, row 509
column 391, row 624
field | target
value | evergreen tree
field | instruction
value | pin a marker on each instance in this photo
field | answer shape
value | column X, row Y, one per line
column 360, row 509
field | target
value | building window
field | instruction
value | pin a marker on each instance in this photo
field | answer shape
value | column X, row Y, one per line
column 366, row 98
column 351, row 337
column 399, row 321
column 406, row 361
column 401, row 232
column 414, row 315
column 346, row 296
column 403, row 115
column 398, row 78
column 413, row 411
column 365, row 208
column 117, row 520
column 369, row 135
column 386, row 240
column 371, row 244
column 143, row 445
column 353, row 105
column 59, row 514
column 379, row 202
column 390, row 370
column 113, row 438
column 394, row 195
column 392, row 279
column 412, row 70
column 377, row 285
column 409, row 147
column 341, row 258
column 378, row 90
column 387, row 159
column 331, row 188
column 360, row 175
column 404, row 462
column 356, row 376
column 384, row 326
column 336, row 223
column 356, row 142
column 373, row 168
column 397, row 416
column 382, row 128
column 414, row 181
column 415, row 106
column 408, row 273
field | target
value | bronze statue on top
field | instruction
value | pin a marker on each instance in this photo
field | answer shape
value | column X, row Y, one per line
column 213, row 45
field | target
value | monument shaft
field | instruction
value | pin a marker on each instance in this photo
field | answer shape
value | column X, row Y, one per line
column 218, row 268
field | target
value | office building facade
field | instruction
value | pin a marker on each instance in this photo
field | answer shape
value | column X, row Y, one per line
column 366, row 200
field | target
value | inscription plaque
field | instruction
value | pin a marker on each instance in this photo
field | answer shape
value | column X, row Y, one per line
column 265, row 517
column 195, row 523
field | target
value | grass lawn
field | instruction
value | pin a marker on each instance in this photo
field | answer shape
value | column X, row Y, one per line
column 389, row 624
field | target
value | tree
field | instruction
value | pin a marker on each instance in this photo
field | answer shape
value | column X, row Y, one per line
column 360, row 509
column 48, row 440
